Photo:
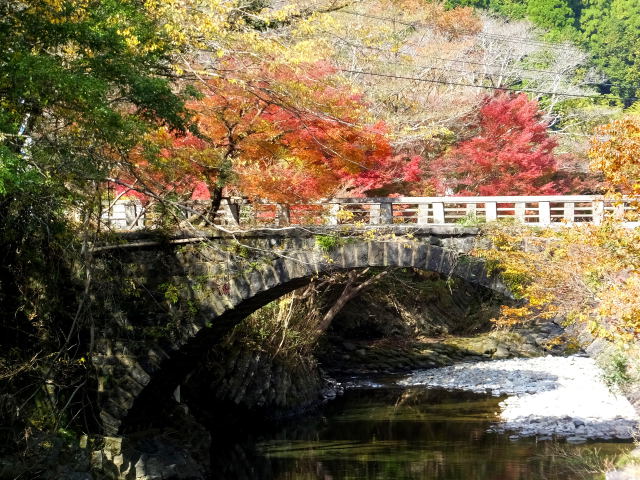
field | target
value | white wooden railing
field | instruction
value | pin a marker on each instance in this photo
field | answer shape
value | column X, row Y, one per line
column 533, row 210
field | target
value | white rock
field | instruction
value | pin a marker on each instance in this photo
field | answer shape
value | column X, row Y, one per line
column 548, row 395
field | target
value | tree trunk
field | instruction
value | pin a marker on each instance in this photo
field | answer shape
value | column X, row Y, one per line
column 349, row 292
column 216, row 200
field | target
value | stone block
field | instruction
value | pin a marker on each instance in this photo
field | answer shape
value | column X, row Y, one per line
column 435, row 259
column 448, row 262
column 217, row 304
column 391, row 254
column 116, row 408
column 125, row 397
column 461, row 267
column 128, row 383
column 358, row 255
column 110, row 424
column 311, row 262
column 113, row 445
column 376, row 254
column 296, row 268
column 239, row 289
column 97, row 460
column 476, row 270
column 256, row 282
column 405, row 254
column 269, row 277
column 420, row 256
column 338, row 259
column 139, row 374
column 281, row 272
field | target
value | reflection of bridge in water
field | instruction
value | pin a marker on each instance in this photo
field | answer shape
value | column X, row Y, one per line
column 176, row 296
column 534, row 210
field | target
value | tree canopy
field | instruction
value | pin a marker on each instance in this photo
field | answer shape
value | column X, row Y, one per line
column 511, row 153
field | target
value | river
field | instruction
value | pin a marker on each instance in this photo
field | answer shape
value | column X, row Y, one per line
column 390, row 432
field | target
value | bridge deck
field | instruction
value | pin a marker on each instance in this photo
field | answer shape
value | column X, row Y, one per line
column 531, row 210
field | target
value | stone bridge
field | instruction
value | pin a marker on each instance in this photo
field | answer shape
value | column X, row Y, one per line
column 175, row 297
column 165, row 302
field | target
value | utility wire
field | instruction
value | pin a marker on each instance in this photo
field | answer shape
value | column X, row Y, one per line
column 460, row 84
column 486, row 75
column 470, row 62
column 418, row 25
column 524, row 69
column 454, row 60
column 496, row 36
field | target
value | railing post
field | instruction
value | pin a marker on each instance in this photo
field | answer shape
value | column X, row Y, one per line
column 386, row 213
column 544, row 213
column 374, row 214
column 491, row 211
column 283, row 215
column 423, row 213
column 438, row 212
column 519, row 209
column 569, row 213
column 131, row 214
column 470, row 209
column 334, row 209
column 597, row 210
column 231, row 212
column 618, row 211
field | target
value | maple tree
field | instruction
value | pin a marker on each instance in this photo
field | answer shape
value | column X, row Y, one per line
column 253, row 142
column 511, row 153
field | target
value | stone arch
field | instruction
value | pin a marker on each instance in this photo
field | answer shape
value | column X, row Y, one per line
column 146, row 377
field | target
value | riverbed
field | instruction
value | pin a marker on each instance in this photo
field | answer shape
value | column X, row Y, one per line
column 546, row 396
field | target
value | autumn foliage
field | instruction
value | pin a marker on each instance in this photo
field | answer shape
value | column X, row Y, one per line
column 511, row 153
column 615, row 152
column 252, row 142
column 587, row 273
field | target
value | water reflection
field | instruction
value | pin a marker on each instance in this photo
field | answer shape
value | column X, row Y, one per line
column 392, row 433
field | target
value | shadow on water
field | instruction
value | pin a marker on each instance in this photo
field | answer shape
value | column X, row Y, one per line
column 409, row 433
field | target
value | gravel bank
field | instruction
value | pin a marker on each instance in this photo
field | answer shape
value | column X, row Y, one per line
column 546, row 396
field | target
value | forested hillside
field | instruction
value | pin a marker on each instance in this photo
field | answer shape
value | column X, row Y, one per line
column 608, row 30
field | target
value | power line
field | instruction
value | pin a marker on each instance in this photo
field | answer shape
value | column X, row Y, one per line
column 486, row 75
column 496, row 36
column 454, row 60
column 470, row 62
column 489, row 87
column 515, row 39
column 468, row 33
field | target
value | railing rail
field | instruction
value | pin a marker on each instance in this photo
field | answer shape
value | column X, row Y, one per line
column 531, row 210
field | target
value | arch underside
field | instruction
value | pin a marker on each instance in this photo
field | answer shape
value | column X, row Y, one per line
column 155, row 375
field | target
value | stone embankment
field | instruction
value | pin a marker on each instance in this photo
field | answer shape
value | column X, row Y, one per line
column 545, row 396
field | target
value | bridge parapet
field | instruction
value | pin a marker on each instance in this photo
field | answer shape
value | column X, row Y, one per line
column 420, row 211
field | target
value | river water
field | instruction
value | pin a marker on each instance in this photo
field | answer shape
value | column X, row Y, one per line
column 405, row 433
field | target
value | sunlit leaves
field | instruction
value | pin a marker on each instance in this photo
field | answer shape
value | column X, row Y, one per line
column 588, row 274
column 615, row 152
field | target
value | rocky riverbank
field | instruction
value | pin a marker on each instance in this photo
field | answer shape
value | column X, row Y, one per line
column 545, row 396
column 398, row 354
